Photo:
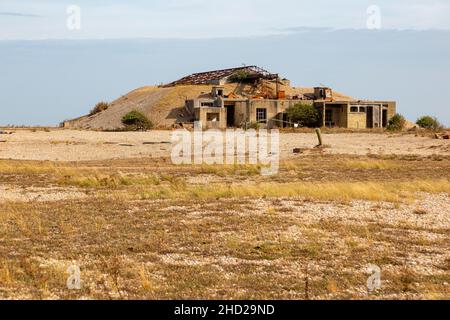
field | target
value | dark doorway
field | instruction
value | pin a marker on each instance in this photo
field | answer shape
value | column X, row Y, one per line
column 286, row 121
column 369, row 117
column 329, row 118
column 230, row 115
column 385, row 118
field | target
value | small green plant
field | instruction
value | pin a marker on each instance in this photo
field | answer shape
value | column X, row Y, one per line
column 240, row 76
column 99, row 107
column 304, row 114
column 136, row 121
column 397, row 123
column 429, row 123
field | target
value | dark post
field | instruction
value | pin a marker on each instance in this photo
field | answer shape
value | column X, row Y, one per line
column 319, row 136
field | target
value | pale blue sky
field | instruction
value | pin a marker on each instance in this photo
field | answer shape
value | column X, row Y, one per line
column 46, row 19
column 310, row 42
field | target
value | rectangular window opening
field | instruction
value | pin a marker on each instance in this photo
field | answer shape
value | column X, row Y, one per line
column 261, row 115
column 213, row 117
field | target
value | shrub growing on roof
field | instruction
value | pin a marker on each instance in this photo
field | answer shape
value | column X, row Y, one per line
column 240, row 76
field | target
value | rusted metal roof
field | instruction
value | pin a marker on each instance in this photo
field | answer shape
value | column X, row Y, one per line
column 210, row 76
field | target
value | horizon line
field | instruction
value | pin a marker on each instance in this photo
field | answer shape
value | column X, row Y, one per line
column 280, row 32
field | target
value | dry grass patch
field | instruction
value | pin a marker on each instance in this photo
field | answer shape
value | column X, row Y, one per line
column 96, row 179
column 226, row 170
column 143, row 231
column 34, row 168
column 371, row 164
column 200, row 249
column 329, row 191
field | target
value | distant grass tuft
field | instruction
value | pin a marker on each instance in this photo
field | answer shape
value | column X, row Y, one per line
column 371, row 164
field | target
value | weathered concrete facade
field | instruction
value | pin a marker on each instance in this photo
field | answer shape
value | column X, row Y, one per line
column 356, row 114
column 220, row 111
column 239, row 113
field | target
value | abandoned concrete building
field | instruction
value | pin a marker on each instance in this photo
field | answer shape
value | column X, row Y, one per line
column 267, row 97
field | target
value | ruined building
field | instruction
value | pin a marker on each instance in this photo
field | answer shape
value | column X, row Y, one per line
column 259, row 96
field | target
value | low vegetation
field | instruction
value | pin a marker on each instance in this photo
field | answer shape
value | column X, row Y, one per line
column 151, row 185
column 99, row 107
column 430, row 123
column 331, row 191
column 136, row 121
column 371, row 164
column 397, row 123
column 304, row 114
column 146, row 229
column 239, row 76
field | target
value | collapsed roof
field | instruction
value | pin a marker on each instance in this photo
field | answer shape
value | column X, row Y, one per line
column 203, row 78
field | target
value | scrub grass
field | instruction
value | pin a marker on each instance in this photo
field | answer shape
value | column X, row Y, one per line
column 371, row 164
column 145, row 229
column 331, row 191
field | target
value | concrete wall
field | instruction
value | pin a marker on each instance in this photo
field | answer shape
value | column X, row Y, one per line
column 241, row 113
column 274, row 109
column 340, row 113
column 201, row 114
column 245, row 111
column 392, row 108
column 270, row 105
column 356, row 120
column 343, row 116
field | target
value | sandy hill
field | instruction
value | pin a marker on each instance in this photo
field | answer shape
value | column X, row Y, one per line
column 165, row 106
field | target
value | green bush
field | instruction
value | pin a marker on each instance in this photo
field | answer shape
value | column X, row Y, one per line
column 397, row 123
column 304, row 114
column 240, row 76
column 136, row 121
column 99, row 107
column 430, row 123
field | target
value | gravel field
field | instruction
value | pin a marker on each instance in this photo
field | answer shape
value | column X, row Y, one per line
column 140, row 227
column 71, row 145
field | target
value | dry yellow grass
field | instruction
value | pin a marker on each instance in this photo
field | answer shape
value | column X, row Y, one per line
column 243, row 170
column 24, row 168
column 340, row 191
column 95, row 179
column 371, row 164
column 155, row 231
column 71, row 175
column 154, row 186
column 163, row 185
column 5, row 274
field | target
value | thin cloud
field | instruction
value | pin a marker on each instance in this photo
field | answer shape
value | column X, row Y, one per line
column 18, row 14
